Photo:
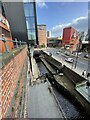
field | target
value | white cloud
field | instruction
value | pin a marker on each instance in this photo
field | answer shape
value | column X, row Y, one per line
column 80, row 24
column 41, row 3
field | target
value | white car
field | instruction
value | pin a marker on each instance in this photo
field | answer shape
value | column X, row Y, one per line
column 57, row 52
column 69, row 60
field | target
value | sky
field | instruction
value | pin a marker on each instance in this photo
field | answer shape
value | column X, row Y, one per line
column 58, row 15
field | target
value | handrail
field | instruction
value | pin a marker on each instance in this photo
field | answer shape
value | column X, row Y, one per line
column 18, row 42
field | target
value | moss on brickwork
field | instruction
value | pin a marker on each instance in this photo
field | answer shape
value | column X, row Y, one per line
column 6, row 57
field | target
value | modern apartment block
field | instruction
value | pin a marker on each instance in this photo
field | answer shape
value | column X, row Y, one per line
column 22, row 19
column 42, row 35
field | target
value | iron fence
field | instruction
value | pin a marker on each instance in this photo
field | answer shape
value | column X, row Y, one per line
column 17, row 43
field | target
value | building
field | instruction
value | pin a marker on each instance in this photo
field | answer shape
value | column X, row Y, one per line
column 22, row 18
column 31, row 22
column 48, row 34
column 42, row 35
column 5, row 31
column 54, row 42
column 70, row 38
column 20, row 29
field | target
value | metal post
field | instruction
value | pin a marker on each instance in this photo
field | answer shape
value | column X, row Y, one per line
column 76, row 60
column 16, row 42
column 29, row 56
column 4, row 40
column 20, row 42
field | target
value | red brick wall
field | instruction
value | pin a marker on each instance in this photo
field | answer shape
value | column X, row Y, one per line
column 9, row 77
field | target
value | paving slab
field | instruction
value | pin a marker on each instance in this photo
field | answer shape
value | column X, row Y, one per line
column 41, row 103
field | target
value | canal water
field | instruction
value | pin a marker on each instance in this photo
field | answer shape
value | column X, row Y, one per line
column 69, row 108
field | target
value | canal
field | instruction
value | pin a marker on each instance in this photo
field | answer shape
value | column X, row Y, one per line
column 71, row 110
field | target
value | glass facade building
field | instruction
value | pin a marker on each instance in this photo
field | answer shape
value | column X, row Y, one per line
column 31, row 23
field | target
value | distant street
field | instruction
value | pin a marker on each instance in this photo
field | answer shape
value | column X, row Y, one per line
column 81, row 63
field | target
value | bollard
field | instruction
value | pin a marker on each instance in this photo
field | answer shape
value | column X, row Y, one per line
column 4, row 40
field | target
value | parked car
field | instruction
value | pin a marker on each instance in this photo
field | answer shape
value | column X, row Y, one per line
column 70, row 60
column 67, row 53
column 57, row 52
column 87, row 56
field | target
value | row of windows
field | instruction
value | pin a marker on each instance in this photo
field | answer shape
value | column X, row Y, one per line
column 30, row 20
column 31, row 34
column 29, row 9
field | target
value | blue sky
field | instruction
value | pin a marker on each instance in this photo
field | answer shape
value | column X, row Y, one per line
column 57, row 15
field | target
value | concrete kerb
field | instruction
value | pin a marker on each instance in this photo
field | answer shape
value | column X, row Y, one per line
column 60, row 108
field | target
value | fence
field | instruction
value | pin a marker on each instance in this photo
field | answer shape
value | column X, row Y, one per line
column 6, row 45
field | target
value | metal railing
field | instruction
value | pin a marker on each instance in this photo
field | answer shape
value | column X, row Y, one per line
column 16, row 43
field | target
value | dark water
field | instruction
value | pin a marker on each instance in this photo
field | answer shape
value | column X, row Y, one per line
column 70, row 109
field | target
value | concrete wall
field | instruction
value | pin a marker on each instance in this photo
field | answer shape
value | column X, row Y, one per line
column 73, row 76
column 10, row 74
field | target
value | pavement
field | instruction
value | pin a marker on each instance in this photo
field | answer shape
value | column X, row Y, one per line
column 41, row 103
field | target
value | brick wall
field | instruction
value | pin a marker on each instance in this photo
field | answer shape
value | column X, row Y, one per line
column 9, row 77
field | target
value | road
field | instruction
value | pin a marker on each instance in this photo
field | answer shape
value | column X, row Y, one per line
column 82, row 64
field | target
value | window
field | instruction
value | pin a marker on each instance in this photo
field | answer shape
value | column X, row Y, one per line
column 26, row 9
column 31, row 35
column 29, row 9
column 30, row 22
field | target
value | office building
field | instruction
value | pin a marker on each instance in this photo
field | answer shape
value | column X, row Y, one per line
column 54, row 42
column 22, row 19
column 70, row 38
column 42, row 35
